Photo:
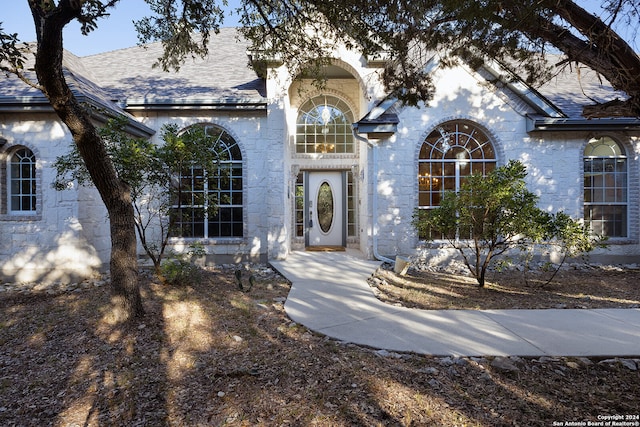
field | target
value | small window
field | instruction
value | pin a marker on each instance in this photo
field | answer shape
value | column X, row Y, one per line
column 324, row 126
column 22, row 182
column 605, row 187
column 299, row 205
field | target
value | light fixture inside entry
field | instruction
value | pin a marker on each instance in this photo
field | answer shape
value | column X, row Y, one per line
column 325, row 116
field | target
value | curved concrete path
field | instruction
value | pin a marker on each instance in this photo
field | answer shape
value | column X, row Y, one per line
column 330, row 295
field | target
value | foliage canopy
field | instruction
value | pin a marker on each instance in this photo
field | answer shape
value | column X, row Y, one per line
column 302, row 33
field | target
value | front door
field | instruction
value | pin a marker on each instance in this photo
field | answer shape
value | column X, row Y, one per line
column 325, row 209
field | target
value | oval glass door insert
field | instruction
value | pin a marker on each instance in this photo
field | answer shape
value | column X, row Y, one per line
column 324, row 207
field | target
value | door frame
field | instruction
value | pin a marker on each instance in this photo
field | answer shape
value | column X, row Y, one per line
column 307, row 207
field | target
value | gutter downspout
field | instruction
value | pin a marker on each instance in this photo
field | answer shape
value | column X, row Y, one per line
column 374, row 222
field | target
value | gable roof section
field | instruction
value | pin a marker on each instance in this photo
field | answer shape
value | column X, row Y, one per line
column 17, row 96
column 222, row 80
column 555, row 106
column 381, row 122
column 534, row 101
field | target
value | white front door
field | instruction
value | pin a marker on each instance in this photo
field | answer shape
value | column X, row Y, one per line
column 325, row 209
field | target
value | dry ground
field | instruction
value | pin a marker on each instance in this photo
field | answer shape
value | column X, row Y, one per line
column 210, row 355
column 578, row 286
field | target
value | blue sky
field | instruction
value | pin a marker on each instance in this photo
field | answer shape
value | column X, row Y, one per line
column 117, row 31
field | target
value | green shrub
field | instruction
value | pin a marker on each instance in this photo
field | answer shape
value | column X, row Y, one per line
column 181, row 269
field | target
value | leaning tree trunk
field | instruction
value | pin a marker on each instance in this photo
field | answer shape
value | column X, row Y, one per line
column 114, row 193
column 601, row 49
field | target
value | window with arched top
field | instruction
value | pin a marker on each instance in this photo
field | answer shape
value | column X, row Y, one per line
column 449, row 154
column 452, row 152
column 605, row 187
column 21, row 194
column 324, row 126
column 193, row 215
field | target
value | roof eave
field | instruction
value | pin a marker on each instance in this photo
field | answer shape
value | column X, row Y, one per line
column 224, row 104
column 547, row 124
column 98, row 111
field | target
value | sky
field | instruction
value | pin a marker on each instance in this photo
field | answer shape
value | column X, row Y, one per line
column 117, row 31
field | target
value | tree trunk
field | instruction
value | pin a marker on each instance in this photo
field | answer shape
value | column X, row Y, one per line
column 124, row 263
column 114, row 193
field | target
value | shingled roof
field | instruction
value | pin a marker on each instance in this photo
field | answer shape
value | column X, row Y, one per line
column 17, row 96
column 221, row 79
column 125, row 80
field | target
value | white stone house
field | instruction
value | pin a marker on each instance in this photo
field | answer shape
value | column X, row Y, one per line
column 340, row 166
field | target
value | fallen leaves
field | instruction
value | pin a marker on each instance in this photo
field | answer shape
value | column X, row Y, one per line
column 213, row 355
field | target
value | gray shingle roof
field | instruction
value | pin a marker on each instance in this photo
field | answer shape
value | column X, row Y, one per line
column 575, row 86
column 125, row 79
column 15, row 95
column 222, row 76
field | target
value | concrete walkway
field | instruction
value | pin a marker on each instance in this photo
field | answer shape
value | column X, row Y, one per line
column 330, row 295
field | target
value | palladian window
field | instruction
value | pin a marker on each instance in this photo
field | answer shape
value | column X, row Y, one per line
column 451, row 152
column 324, row 126
column 605, row 187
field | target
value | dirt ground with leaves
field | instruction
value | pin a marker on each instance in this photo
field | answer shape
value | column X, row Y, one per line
column 208, row 354
column 573, row 286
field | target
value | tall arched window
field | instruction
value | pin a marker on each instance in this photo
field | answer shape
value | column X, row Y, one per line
column 605, row 187
column 223, row 186
column 451, row 152
column 22, row 182
column 324, row 126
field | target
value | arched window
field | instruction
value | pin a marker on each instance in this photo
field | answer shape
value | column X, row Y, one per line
column 605, row 187
column 452, row 152
column 224, row 186
column 324, row 126
column 22, row 182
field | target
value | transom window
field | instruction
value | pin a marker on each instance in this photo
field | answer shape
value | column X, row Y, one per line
column 22, row 182
column 324, row 126
column 605, row 187
column 211, row 202
column 452, row 152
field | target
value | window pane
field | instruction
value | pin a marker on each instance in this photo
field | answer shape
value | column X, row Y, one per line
column 605, row 187
column 324, row 126
column 451, row 153
column 22, row 181
column 15, row 203
column 221, row 188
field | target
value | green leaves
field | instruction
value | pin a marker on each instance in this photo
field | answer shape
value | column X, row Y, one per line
column 12, row 54
column 152, row 173
column 183, row 27
column 494, row 213
column 135, row 160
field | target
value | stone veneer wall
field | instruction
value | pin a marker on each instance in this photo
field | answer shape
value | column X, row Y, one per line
column 52, row 244
column 554, row 163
